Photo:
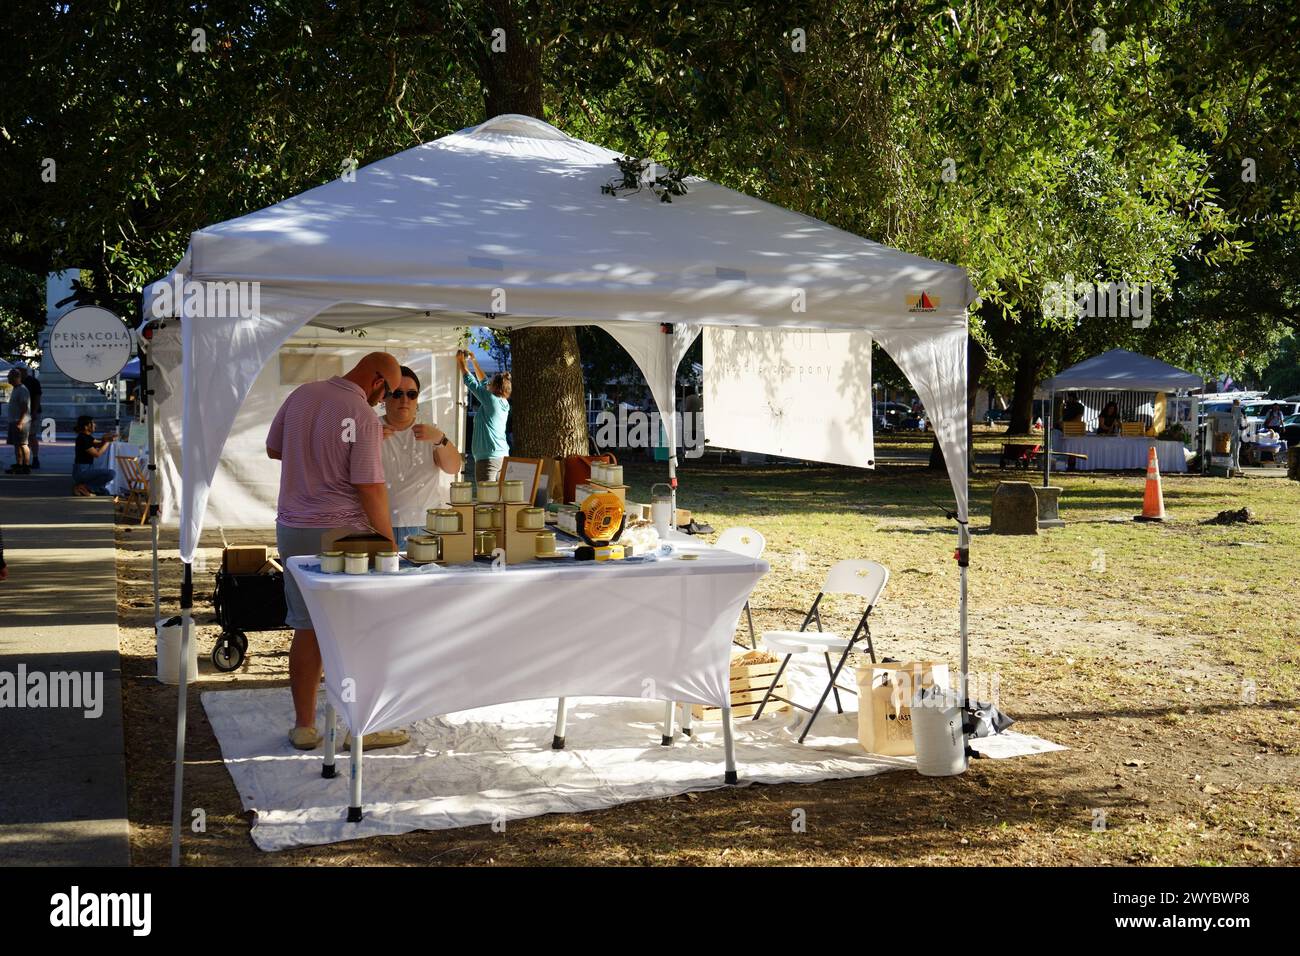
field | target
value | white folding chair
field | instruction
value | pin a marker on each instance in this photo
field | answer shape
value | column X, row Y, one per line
column 867, row 580
column 751, row 544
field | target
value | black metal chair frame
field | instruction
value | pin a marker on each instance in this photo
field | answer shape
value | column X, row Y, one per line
column 862, row 631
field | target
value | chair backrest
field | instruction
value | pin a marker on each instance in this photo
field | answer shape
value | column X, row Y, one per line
column 744, row 541
column 135, row 475
column 856, row 576
column 1132, row 429
column 1072, row 428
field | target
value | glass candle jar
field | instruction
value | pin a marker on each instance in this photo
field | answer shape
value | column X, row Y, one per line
column 483, row 517
column 485, row 543
column 532, row 519
column 356, row 562
column 613, row 474
column 386, row 562
column 514, row 491
column 423, row 548
column 544, row 543
column 447, row 521
column 462, row 492
column 496, row 519
column 489, row 492
column 331, row 562
column 598, row 473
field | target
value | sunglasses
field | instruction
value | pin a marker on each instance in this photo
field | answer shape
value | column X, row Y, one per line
column 411, row 393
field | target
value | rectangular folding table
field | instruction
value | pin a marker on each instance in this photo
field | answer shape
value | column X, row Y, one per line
column 398, row 648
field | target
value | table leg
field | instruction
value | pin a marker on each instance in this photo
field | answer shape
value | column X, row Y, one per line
column 354, row 807
column 728, row 745
column 669, row 722
column 686, row 720
column 328, row 771
column 561, row 716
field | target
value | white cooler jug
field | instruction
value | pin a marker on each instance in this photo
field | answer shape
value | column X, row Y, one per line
column 169, row 634
column 937, row 733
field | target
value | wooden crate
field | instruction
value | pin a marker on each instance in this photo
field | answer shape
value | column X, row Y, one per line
column 749, row 682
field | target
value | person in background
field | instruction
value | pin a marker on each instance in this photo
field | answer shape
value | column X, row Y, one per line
column 489, row 445
column 20, row 420
column 1274, row 420
column 1073, row 411
column 328, row 440
column 34, row 433
column 419, row 460
column 1108, row 421
column 86, row 478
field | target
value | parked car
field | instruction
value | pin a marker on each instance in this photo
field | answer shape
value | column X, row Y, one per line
column 890, row 415
column 1256, row 412
column 997, row 416
column 1291, row 430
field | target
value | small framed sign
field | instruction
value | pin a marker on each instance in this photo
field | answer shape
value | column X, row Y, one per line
column 527, row 470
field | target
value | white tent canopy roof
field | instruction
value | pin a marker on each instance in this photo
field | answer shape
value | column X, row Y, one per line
column 1124, row 370
column 507, row 219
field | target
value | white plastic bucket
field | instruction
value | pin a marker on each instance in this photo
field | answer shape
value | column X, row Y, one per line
column 937, row 733
column 169, row 634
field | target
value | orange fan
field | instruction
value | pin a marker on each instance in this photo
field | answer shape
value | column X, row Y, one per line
column 600, row 518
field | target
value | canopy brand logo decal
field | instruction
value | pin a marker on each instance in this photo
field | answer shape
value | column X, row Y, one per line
column 922, row 303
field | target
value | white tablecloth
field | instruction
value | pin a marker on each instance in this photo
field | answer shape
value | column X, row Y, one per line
column 119, row 449
column 419, row 644
column 1114, row 453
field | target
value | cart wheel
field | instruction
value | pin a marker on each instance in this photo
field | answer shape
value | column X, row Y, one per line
column 227, row 655
column 242, row 640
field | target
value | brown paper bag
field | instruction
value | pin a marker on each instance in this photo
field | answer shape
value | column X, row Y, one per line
column 884, row 697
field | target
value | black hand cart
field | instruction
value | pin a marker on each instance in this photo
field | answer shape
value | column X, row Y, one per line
column 245, row 602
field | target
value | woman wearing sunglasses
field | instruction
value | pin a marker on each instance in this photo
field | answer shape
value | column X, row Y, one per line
column 419, row 460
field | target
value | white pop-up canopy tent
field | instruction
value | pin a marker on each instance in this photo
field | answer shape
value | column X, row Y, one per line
column 506, row 220
column 1121, row 369
column 1116, row 370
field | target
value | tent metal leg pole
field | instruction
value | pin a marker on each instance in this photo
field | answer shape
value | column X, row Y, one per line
column 354, row 805
column 686, row 720
column 561, row 717
column 670, row 722
column 728, row 744
column 151, row 424
column 670, row 421
column 963, row 543
column 328, row 770
column 182, row 688
column 1047, row 437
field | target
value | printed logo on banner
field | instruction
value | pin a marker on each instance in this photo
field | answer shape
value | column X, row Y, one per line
column 923, row 302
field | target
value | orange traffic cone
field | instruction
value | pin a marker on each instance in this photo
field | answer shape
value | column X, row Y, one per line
column 1153, row 500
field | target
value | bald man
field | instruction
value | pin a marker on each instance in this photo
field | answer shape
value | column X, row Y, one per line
column 328, row 440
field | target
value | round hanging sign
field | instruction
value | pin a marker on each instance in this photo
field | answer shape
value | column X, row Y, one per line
column 90, row 344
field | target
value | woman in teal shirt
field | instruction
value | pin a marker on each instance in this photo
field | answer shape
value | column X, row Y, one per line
column 489, row 445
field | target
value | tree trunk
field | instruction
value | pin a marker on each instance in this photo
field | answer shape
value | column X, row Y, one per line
column 1022, row 395
column 548, row 413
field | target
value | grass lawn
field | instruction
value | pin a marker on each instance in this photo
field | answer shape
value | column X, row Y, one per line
column 1164, row 656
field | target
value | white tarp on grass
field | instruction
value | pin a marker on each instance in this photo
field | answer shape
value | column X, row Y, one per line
column 495, row 763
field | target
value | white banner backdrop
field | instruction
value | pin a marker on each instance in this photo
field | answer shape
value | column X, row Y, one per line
column 246, row 487
column 798, row 393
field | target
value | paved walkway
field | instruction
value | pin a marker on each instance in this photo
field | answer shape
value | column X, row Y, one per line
column 64, row 784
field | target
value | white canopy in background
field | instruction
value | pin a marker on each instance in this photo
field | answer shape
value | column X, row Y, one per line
column 507, row 219
column 1121, row 369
